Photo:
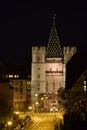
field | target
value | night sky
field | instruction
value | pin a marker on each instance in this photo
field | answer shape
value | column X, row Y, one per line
column 23, row 25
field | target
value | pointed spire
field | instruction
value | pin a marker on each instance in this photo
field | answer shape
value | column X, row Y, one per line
column 53, row 48
column 54, row 17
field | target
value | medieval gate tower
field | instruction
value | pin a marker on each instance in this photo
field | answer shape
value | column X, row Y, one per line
column 48, row 69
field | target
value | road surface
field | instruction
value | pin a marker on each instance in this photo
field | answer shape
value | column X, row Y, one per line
column 44, row 121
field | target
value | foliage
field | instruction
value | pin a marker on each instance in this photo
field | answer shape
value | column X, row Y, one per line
column 73, row 98
column 75, row 95
column 61, row 93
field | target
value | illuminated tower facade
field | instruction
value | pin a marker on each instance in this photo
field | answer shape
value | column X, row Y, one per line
column 48, row 72
column 38, row 72
column 54, row 62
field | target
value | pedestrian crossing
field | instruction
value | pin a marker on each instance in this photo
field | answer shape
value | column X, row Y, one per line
column 41, row 124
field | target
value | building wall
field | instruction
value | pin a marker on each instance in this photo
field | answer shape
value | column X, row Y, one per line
column 22, row 93
column 38, row 71
column 54, row 74
column 48, row 74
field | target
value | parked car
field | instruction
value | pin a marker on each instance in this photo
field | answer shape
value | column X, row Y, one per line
column 22, row 123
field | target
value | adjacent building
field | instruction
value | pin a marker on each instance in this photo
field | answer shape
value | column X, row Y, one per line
column 18, row 78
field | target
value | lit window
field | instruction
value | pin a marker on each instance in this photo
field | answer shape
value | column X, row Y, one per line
column 10, row 76
column 16, row 76
column 28, row 82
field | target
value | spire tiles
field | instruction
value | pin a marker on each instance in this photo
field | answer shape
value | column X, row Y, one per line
column 53, row 48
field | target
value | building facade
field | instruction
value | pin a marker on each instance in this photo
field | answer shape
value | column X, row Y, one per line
column 19, row 82
column 48, row 70
column 22, row 94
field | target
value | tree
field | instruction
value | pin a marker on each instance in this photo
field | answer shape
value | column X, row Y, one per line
column 74, row 96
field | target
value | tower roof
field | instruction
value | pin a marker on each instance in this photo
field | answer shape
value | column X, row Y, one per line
column 53, row 48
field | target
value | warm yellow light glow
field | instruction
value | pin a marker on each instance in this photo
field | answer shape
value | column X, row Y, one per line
column 36, row 94
column 55, row 92
column 84, row 85
column 17, row 112
column 10, row 76
column 9, row 123
column 16, row 76
column 30, row 107
column 46, row 97
column 37, row 103
column 42, row 98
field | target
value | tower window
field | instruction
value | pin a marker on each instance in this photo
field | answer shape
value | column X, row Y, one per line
column 38, row 58
column 38, row 75
column 38, row 88
column 46, row 89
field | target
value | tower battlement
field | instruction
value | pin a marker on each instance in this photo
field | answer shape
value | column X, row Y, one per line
column 38, row 50
column 38, row 54
column 68, row 53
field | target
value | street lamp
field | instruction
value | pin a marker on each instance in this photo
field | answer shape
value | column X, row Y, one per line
column 37, row 103
column 16, row 112
column 30, row 108
column 9, row 123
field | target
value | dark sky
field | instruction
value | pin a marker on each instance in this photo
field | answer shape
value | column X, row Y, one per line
column 23, row 25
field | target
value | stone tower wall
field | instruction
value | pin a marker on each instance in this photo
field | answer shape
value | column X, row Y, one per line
column 38, row 72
